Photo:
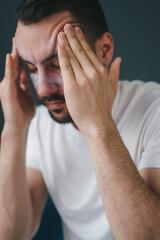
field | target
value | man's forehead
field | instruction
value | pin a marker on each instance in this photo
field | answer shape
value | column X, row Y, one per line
column 46, row 27
column 41, row 36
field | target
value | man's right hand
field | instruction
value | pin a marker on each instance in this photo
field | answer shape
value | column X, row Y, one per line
column 17, row 100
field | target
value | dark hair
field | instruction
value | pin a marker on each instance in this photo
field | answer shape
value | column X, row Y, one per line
column 88, row 13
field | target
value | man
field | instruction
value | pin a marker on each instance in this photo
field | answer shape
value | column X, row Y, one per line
column 102, row 168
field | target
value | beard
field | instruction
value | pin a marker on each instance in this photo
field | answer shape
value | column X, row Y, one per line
column 62, row 120
column 61, row 115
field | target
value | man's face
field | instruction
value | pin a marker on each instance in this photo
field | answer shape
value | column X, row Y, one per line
column 37, row 46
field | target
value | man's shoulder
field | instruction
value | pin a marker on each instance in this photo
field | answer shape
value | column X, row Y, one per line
column 139, row 91
column 136, row 99
column 138, row 85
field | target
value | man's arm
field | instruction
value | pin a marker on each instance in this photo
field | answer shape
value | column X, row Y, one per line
column 152, row 179
column 38, row 194
column 19, row 213
column 22, row 191
column 132, row 209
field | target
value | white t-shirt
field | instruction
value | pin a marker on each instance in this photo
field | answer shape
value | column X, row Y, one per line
column 61, row 153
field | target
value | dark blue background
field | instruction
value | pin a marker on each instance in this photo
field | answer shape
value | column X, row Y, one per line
column 135, row 26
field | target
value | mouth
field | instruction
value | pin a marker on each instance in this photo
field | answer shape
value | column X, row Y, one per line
column 54, row 105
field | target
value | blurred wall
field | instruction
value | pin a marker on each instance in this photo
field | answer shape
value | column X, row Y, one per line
column 135, row 26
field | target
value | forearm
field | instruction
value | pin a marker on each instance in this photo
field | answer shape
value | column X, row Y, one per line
column 15, row 202
column 131, row 207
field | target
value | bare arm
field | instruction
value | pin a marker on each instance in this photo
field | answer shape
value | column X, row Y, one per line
column 15, row 202
column 38, row 194
column 132, row 208
column 17, row 213
column 22, row 191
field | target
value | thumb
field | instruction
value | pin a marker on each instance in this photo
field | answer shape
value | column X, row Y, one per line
column 114, row 73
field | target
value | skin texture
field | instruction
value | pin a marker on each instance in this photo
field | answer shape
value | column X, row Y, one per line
column 89, row 87
column 34, row 47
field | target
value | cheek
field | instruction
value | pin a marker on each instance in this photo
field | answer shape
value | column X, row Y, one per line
column 34, row 79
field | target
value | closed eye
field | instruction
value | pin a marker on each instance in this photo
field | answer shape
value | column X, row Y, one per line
column 54, row 62
column 32, row 69
column 54, row 66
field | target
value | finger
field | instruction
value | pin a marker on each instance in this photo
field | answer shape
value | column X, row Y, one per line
column 8, row 67
column 88, row 50
column 78, row 51
column 15, row 56
column 70, row 61
column 114, row 73
column 66, row 69
column 11, row 74
column 14, row 52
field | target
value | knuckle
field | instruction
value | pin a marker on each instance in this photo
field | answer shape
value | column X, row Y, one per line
column 70, row 86
column 79, row 51
column 66, row 66
column 103, row 71
column 70, row 55
column 72, row 36
column 93, row 74
column 89, row 50
column 83, row 82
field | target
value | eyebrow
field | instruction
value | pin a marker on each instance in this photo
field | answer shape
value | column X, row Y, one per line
column 50, row 57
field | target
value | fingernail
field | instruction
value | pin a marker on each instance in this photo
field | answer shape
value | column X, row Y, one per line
column 77, row 29
column 68, row 27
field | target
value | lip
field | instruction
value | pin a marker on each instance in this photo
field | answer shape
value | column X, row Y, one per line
column 55, row 105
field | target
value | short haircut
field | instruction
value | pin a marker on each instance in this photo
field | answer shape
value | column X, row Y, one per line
column 88, row 13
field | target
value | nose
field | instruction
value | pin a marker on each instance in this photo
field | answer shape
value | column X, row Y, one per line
column 46, row 86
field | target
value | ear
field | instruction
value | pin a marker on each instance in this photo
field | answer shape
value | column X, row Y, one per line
column 104, row 48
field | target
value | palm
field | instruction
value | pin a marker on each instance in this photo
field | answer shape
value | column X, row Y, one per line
column 26, row 103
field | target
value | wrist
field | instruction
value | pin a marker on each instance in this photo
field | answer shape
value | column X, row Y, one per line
column 101, row 130
column 14, row 140
column 15, row 131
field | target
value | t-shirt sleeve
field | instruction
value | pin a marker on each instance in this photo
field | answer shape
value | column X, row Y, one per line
column 150, row 157
column 32, row 148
